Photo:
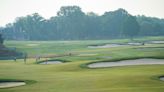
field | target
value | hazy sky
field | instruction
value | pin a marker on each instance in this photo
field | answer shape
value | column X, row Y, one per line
column 10, row 9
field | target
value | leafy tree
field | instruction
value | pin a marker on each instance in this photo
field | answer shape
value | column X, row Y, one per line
column 150, row 26
column 29, row 27
column 92, row 26
column 70, row 22
column 130, row 27
column 112, row 23
column 1, row 39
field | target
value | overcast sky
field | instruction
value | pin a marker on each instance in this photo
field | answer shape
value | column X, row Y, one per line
column 10, row 9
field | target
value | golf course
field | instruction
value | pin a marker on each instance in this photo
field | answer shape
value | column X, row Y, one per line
column 71, row 72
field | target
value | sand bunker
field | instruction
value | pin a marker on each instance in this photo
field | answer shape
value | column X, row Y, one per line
column 51, row 62
column 127, row 63
column 115, row 45
column 32, row 44
column 107, row 46
column 135, row 43
column 157, row 42
column 161, row 78
column 9, row 84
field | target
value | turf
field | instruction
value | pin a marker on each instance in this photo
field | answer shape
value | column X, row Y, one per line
column 72, row 77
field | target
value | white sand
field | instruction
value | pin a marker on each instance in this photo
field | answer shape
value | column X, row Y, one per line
column 157, row 42
column 127, row 63
column 135, row 43
column 107, row 46
column 162, row 78
column 51, row 62
column 32, row 44
column 115, row 45
column 11, row 84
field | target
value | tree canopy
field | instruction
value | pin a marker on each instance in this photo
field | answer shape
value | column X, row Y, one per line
column 71, row 23
column 1, row 39
column 131, row 27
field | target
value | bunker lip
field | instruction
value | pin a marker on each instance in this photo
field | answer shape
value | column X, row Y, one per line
column 11, row 83
column 145, row 61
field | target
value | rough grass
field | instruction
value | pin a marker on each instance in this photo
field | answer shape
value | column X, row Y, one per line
column 70, row 77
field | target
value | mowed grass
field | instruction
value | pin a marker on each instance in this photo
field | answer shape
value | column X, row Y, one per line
column 61, row 47
column 71, row 77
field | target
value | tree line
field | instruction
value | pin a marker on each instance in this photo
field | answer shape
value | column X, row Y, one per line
column 71, row 23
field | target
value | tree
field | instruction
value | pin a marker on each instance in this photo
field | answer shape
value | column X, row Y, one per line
column 112, row 23
column 92, row 26
column 130, row 27
column 150, row 26
column 70, row 22
column 1, row 39
column 29, row 27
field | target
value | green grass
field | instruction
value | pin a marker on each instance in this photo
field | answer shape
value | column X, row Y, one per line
column 71, row 77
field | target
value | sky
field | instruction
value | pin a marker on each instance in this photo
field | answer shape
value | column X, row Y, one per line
column 10, row 9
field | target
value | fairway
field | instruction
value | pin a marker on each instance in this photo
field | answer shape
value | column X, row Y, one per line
column 81, row 46
column 73, row 75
